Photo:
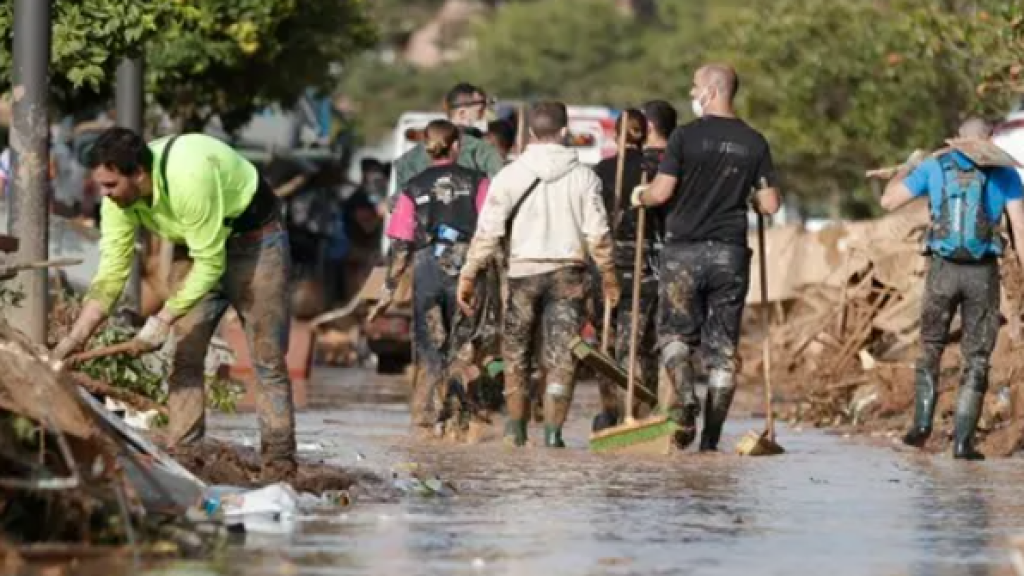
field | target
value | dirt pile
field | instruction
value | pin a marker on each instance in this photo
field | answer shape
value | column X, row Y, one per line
column 217, row 462
column 843, row 346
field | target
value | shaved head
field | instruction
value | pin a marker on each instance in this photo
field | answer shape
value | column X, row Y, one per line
column 975, row 128
column 722, row 76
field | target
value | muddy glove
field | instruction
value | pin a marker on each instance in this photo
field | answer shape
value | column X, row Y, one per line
column 466, row 295
column 635, row 199
column 383, row 303
column 610, row 287
column 91, row 316
column 153, row 334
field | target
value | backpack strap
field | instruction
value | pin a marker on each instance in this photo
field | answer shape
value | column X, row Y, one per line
column 515, row 209
column 164, row 155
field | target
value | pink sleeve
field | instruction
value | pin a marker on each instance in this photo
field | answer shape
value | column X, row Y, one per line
column 402, row 225
column 481, row 194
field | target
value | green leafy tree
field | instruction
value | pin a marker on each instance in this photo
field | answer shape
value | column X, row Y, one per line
column 231, row 57
column 89, row 38
column 829, row 86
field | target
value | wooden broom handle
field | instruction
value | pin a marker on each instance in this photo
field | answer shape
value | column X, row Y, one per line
column 634, row 320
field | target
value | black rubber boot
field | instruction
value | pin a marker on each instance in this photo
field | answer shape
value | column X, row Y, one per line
column 553, row 437
column 924, row 409
column 716, row 409
column 515, row 433
column 969, row 402
column 604, row 419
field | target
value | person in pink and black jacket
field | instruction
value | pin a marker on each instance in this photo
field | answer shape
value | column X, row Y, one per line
column 431, row 226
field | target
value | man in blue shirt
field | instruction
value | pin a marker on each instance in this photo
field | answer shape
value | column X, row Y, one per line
column 964, row 244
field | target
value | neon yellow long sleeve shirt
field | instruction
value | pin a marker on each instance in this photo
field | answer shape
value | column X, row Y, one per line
column 207, row 182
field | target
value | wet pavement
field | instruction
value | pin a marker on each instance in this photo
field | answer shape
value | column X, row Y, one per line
column 828, row 506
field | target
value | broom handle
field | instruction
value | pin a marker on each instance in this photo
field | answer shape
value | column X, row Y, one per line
column 634, row 320
column 620, row 168
column 606, row 327
column 766, row 355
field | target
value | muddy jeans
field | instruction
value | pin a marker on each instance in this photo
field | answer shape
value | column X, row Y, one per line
column 556, row 301
column 974, row 289
column 255, row 284
column 701, row 297
column 436, row 312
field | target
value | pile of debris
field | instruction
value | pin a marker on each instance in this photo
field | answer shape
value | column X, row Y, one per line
column 846, row 318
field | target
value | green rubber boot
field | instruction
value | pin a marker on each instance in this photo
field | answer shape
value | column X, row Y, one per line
column 515, row 433
column 553, row 437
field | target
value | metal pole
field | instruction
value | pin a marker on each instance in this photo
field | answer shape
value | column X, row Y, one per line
column 28, row 210
column 130, row 105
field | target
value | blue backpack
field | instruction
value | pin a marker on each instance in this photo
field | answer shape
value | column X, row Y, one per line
column 961, row 229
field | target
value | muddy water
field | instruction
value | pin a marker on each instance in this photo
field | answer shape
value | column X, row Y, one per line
column 828, row 507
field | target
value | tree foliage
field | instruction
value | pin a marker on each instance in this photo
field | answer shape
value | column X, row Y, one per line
column 88, row 39
column 836, row 87
column 231, row 57
column 224, row 57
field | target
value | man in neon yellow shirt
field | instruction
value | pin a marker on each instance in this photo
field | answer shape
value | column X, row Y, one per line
column 231, row 250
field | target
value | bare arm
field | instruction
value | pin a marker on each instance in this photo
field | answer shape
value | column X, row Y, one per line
column 897, row 195
column 1015, row 211
column 659, row 191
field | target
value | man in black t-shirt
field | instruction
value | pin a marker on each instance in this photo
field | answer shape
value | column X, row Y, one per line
column 714, row 168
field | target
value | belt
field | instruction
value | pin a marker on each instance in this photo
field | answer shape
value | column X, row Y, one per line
column 259, row 233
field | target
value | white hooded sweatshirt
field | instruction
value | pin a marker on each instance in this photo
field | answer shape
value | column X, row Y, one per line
column 557, row 225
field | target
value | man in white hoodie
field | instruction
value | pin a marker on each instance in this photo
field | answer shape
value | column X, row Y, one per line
column 548, row 208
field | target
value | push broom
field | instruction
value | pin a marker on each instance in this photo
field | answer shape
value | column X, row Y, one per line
column 763, row 443
column 652, row 435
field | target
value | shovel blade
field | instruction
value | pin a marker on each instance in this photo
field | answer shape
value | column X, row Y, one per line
column 758, row 444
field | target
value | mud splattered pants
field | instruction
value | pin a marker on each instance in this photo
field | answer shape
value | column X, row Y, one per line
column 447, row 342
column 702, row 291
column 974, row 289
column 255, row 284
column 555, row 301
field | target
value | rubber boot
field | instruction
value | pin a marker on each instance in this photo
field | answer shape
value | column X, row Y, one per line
column 610, row 406
column 924, row 409
column 716, row 408
column 605, row 419
column 969, row 404
column 553, row 436
column 515, row 400
column 557, row 398
column 684, row 408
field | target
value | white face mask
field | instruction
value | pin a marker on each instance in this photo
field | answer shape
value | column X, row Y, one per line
column 696, row 106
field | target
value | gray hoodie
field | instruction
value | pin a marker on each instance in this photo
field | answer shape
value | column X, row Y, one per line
column 561, row 221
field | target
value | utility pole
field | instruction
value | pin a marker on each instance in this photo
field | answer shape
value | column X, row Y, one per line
column 129, row 103
column 28, row 208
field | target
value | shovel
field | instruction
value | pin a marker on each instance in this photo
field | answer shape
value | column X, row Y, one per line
column 763, row 443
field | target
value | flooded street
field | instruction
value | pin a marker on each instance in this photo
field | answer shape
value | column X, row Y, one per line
column 828, row 506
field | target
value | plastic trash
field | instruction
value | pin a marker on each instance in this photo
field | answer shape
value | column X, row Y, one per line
column 417, row 486
column 267, row 510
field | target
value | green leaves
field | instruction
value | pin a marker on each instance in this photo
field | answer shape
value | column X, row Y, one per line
column 204, row 57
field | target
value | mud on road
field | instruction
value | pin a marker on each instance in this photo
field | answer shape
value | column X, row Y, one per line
column 829, row 504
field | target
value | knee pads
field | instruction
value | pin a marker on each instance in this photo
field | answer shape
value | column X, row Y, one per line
column 721, row 379
column 676, row 354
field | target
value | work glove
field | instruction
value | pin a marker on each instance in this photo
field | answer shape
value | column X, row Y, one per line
column 466, row 295
column 154, row 333
column 634, row 198
column 610, row 287
column 91, row 316
column 383, row 303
